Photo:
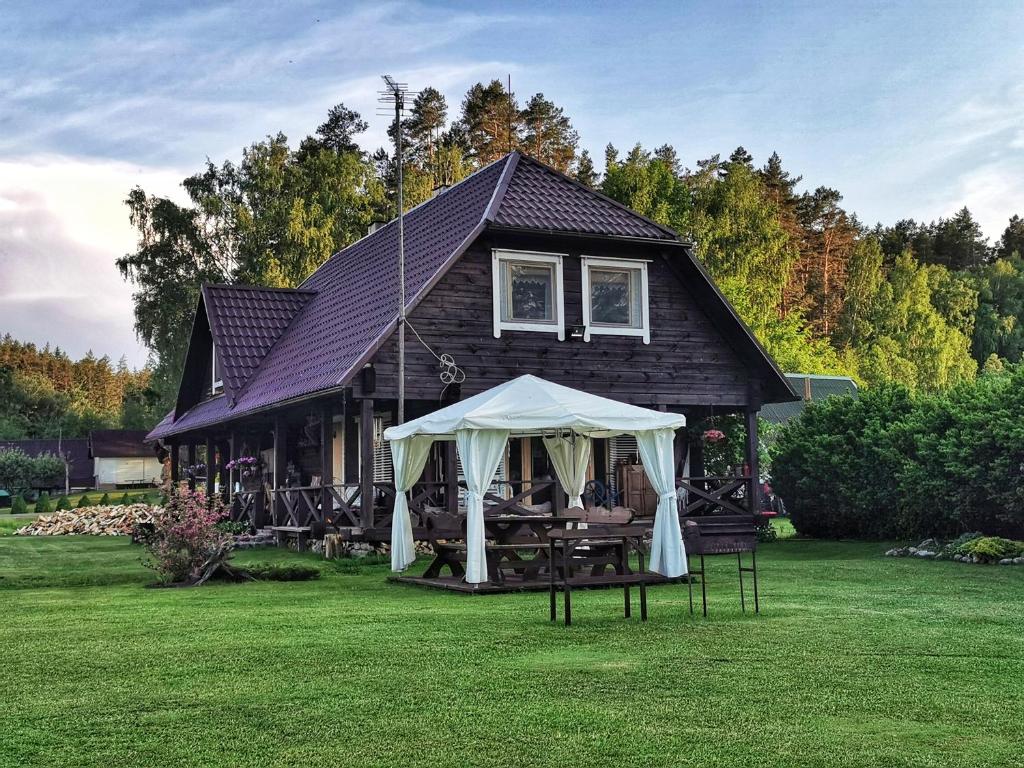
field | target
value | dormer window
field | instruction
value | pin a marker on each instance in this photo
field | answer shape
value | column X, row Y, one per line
column 615, row 299
column 217, row 381
column 528, row 292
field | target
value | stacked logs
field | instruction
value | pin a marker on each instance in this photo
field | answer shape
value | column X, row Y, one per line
column 118, row 520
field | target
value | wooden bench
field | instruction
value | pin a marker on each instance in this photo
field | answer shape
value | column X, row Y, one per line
column 721, row 535
column 582, row 559
column 300, row 532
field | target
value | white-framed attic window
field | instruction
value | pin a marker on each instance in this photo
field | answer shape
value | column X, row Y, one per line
column 217, row 377
column 528, row 292
column 615, row 299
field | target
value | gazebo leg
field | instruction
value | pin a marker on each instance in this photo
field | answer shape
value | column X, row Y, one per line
column 703, row 587
column 753, row 562
column 568, row 603
column 739, row 567
column 689, row 582
column 625, row 595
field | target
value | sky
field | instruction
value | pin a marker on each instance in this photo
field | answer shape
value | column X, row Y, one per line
column 911, row 110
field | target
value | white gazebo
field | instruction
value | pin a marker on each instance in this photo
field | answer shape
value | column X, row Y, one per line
column 567, row 420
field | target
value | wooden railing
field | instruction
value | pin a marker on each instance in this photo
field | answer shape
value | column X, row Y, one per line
column 302, row 507
column 716, row 495
column 248, row 507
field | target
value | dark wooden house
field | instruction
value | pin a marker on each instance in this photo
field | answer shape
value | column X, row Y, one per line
column 517, row 269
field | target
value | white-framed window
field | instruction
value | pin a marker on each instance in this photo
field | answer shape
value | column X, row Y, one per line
column 217, row 378
column 528, row 292
column 615, row 299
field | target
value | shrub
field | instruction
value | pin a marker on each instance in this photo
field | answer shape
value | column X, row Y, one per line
column 282, row 571
column 84, row 501
column 991, row 549
column 105, row 500
column 125, row 500
column 43, row 505
column 888, row 465
column 184, row 537
column 18, row 505
column 63, row 503
column 230, row 526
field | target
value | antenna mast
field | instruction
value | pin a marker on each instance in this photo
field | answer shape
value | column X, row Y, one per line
column 395, row 92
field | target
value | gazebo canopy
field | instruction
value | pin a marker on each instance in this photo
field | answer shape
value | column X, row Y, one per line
column 567, row 419
column 532, row 406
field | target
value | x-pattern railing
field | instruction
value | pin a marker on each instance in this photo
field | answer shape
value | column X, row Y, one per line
column 718, row 495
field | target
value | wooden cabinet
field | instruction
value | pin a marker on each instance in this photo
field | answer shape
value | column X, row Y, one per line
column 635, row 489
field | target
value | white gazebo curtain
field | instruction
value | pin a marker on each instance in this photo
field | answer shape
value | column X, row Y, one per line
column 409, row 458
column 570, row 456
column 667, row 554
column 480, row 450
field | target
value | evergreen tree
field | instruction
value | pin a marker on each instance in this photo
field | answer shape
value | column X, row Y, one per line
column 585, row 172
column 1012, row 241
column 548, row 134
column 491, row 120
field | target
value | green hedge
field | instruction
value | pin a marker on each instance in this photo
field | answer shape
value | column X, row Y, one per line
column 888, row 465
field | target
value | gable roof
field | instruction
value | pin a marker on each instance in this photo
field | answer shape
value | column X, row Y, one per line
column 349, row 305
column 245, row 322
column 119, row 443
column 813, row 388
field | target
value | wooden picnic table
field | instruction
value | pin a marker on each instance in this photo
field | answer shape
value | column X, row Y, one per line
column 510, row 537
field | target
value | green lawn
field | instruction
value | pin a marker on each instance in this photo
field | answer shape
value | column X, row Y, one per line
column 857, row 660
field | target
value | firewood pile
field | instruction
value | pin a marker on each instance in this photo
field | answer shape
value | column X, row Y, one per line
column 91, row 521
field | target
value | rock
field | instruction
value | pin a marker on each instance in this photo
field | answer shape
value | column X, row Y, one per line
column 1006, row 561
column 929, row 544
column 1018, row 561
column 924, row 553
column 911, row 550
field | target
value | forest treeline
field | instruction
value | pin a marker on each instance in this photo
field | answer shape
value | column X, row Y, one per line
column 44, row 393
column 925, row 304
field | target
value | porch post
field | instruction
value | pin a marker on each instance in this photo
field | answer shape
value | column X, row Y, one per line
column 211, row 478
column 366, row 462
column 350, row 434
column 326, row 462
column 753, row 464
column 233, row 449
column 175, row 448
column 450, row 467
column 280, row 466
column 191, row 463
column 224, row 455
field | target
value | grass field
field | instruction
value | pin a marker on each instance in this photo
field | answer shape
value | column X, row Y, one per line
column 856, row 660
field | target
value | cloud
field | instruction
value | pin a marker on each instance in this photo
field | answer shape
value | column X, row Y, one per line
column 62, row 225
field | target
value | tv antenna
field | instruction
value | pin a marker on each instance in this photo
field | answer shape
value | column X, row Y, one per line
column 394, row 93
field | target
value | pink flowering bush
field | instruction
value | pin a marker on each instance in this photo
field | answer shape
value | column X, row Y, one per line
column 714, row 435
column 184, row 536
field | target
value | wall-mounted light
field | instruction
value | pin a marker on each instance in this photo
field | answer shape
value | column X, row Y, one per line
column 576, row 331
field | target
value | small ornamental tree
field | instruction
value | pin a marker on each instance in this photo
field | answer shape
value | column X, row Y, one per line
column 15, row 470
column 104, row 500
column 43, row 505
column 63, row 503
column 84, row 501
column 47, row 471
column 125, row 499
column 185, row 541
column 18, row 505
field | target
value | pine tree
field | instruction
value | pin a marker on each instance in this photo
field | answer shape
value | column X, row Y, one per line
column 491, row 120
column 585, row 172
column 548, row 133
column 1012, row 241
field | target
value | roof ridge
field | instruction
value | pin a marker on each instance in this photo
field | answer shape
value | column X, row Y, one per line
column 433, row 198
column 600, row 195
column 249, row 287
